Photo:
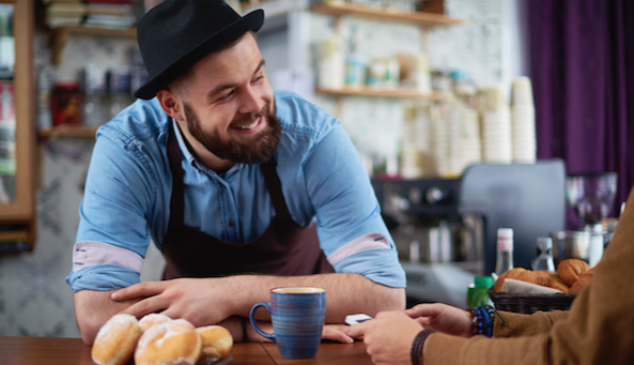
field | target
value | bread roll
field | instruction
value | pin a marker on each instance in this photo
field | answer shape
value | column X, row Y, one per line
column 511, row 274
column 216, row 343
column 569, row 270
column 581, row 283
column 534, row 277
column 557, row 283
column 170, row 343
column 152, row 319
column 116, row 340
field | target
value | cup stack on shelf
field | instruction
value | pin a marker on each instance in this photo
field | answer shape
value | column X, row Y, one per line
column 471, row 149
column 416, row 156
column 496, row 126
column 440, row 132
column 523, row 121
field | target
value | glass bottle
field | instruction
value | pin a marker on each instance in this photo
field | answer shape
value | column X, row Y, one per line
column 544, row 260
column 505, row 251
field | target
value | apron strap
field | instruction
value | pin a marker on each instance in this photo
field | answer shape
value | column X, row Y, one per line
column 274, row 186
column 177, row 201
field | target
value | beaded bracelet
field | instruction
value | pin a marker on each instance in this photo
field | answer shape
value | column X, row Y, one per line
column 483, row 320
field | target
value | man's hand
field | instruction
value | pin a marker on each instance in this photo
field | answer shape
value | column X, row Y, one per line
column 336, row 332
column 200, row 301
column 205, row 301
column 442, row 318
column 388, row 337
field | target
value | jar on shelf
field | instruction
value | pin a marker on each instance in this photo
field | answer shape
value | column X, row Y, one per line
column 331, row 64
column 95, row 111
column 66, row 103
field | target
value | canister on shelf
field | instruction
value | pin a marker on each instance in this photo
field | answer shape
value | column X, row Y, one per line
column 355, row 71
column 95, row 87
column 66, row 103
column 331, row 64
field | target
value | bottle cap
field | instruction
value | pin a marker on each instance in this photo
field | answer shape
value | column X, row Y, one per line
column 505, row 232
column 505, row 239
column 484, row 282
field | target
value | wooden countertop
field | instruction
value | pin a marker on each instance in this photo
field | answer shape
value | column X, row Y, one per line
column 17, row 350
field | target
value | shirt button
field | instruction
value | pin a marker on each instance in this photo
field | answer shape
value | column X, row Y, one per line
column 232, row 223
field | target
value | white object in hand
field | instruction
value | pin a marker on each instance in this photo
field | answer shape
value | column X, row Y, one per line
column 357, row 318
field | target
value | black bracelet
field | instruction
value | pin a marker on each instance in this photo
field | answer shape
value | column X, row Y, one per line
column 417, row 346
column 245, row 335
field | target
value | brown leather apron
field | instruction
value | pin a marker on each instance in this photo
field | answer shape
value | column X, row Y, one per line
column 285, row 248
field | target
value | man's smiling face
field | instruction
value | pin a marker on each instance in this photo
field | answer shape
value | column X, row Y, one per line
column 228, row 104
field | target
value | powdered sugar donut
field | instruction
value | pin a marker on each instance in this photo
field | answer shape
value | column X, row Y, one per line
column 170, row 343
column 216, row 343
column 152, row 319
column 116, row 340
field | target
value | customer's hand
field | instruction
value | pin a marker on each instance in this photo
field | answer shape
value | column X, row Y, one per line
column 388, row 338
column 442, row 318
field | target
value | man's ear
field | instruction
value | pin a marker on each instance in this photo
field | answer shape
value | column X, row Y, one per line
column 171, row 103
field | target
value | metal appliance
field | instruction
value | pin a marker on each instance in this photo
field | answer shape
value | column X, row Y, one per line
column 445, row 229
column 591, row 197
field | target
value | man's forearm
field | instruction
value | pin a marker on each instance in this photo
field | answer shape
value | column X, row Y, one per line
column 346, row 293
column 93, row 309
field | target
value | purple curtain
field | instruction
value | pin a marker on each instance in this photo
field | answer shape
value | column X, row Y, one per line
column 582, row 67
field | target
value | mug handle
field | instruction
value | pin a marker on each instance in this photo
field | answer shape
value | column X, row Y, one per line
column 270, row 336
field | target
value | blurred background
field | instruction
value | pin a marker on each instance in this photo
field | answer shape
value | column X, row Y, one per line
column 469, row 115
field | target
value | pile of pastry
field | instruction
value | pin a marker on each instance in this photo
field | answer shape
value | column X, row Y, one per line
column 158, row 340
column 571, row 277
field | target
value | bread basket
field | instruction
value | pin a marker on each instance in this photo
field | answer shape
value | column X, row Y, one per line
column 530, row 303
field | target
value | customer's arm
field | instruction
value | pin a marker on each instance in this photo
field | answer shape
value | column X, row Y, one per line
column 597, row 329
column 514, row 324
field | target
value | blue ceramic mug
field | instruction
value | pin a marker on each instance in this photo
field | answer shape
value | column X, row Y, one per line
column 298, row 317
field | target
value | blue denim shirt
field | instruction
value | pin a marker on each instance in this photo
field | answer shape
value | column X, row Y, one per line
column 129, row 186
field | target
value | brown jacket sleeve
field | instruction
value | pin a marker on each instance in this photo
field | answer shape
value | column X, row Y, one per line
column 598, row 329
column 509, row 324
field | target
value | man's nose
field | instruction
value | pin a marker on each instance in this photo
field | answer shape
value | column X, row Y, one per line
column 251, row 101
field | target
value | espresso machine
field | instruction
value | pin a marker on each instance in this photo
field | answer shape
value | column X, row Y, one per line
column 445, row 229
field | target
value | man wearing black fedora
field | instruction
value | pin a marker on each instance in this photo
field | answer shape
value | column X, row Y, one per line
column 242, row 188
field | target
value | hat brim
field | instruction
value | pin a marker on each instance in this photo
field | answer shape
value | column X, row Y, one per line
column 252, row 21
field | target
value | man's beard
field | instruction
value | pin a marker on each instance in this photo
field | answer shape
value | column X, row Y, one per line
column 255, row 149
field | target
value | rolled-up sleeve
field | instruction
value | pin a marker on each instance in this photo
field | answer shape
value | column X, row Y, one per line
column 118, row 195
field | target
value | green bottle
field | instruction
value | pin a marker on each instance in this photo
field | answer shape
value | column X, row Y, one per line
column 477, row 295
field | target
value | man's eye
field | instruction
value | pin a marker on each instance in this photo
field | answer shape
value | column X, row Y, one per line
column 259, row 78
column 229, row 94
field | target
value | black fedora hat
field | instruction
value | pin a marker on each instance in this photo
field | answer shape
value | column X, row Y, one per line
column 176, row 34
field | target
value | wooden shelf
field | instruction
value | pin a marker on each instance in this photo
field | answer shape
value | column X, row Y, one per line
column 386, row 93
column 61, row 35
column 68, row 131
column 426, row 20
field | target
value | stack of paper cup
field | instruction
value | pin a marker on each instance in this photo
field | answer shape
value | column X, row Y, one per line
column 440, row 138
column 470, row 137
column 523, row 121
column 496, row 126
column 455, row 140
column 416, row 151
